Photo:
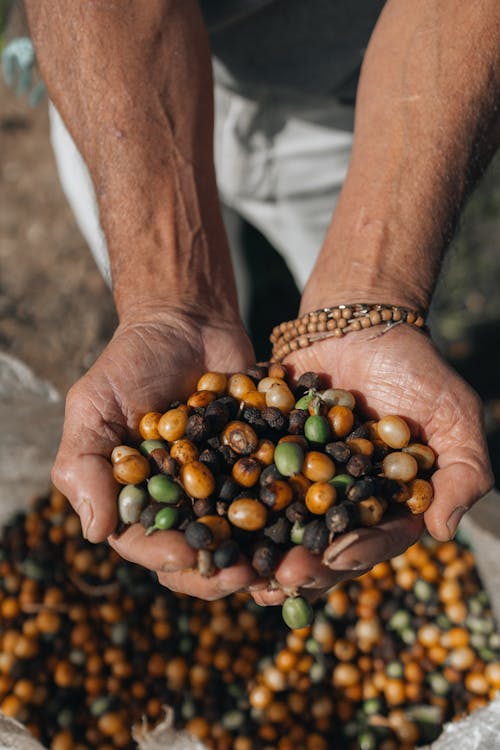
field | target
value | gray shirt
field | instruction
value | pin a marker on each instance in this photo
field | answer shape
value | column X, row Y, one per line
column 309, row 46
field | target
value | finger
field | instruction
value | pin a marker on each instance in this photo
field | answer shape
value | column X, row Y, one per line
column 236, row 578
column 269, row 597
column 301, row 569
column 464, row 474
column 163, row 551
column 366, row 547
column 82, row 470
column 456, row 488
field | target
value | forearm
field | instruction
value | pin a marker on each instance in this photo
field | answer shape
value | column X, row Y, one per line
column 133, row 83
column 427, row 122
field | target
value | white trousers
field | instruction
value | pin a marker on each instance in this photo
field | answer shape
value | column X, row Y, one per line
column 280, row 161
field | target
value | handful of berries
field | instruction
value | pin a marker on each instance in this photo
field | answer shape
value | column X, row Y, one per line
column 253, row 465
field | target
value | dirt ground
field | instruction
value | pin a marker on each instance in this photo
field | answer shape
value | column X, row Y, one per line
column 56, row 313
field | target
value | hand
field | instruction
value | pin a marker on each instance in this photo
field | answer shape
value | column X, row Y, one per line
column 401, row 373
column 148, row 363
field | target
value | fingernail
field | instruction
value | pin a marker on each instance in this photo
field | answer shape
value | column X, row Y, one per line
column 86, row 516
column 170, row 568
column 256, row 587
column 309, row 583
column 455, row 518
column 331, row 557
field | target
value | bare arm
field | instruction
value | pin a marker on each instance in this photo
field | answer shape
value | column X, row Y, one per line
column 133, row 83
column 427, row 123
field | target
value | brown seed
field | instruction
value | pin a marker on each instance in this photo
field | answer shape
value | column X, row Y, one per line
column 421, row 494
column 370, row 511
column 277, row 494
column 360, row 446
column 212, row 381
column 184, row 451
column 148, row 426
column 240, row 384
column 318, row 467
column 247, row 514
column 121, row 451
column 400, row 465
column 423, row 455
column 255, row 399
column 341, row 420
column 240, row 437
column 197, row 480
column 246, row 471
column 264, row 452
column 320, row 496
column 281, row 397
column 201, row 399
column 394, row 431
column 132, row 469
column 172, row 424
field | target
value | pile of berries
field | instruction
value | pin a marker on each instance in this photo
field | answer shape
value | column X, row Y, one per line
column 251, row 464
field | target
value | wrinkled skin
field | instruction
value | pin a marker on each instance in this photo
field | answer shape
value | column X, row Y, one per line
column 140, row 370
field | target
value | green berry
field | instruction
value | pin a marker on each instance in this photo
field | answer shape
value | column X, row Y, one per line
column 297, row 612
column 317, row 429
column 150, row 445
column 163, row 489
column 164, row 519
column 303, row 403
column 131, row 501
column 288, row 458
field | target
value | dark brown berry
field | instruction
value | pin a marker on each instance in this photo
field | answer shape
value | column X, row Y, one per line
column 309, row 381
column 197, row 428
column 341, row 518
column 203, row 507
column 266, row 558
column 274, row 418
column 212, row 459
column 198, row 535
column 358, row 465
column 296, row 421
column 362, row 489
column 227, row 489
column 227, row 554
column 339, row 451
column 164, row 462
column 279, row 531
column 228, row 455
column 316, row 536
column 257, row 372
column 297, row 511
column 254, row 417
column 270, row 474
column 217, row 415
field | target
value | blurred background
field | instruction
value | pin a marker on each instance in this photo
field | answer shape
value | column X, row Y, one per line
column 56, row 313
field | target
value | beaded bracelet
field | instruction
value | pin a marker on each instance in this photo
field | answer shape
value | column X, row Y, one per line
column 336, row 322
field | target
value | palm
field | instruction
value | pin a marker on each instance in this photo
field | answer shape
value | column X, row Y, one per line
column 145, row 367
column 399, row 373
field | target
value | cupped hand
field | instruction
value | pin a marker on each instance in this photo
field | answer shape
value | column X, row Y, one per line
column 149, row 362
column 400, row 372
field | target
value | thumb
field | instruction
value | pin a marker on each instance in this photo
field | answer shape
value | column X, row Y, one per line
column 82, row 470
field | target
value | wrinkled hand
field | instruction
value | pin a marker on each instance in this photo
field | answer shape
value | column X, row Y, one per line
column 147, row 364
column 402, row 373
